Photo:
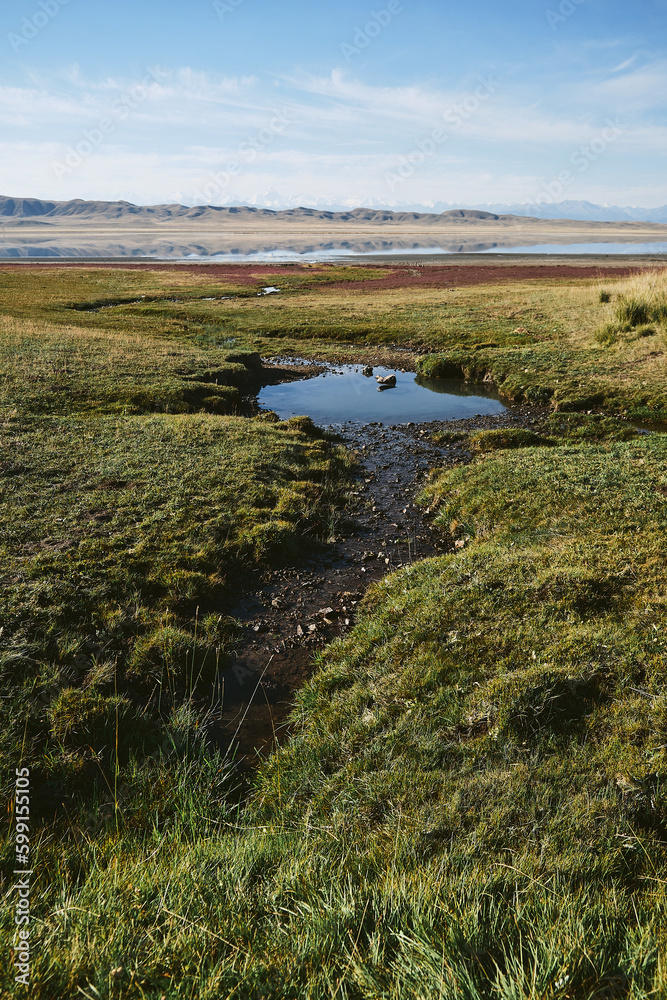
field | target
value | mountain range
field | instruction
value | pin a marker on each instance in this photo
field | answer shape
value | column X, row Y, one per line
column 34, row 209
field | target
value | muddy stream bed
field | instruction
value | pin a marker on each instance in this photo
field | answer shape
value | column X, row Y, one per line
column 288, row 614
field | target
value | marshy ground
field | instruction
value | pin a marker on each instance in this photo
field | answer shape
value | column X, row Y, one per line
column 472, row 798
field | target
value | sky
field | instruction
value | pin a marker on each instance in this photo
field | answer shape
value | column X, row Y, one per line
column 398, row 104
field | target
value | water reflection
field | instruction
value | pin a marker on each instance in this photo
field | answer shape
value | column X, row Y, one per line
column 280, row 249
column 349, row 394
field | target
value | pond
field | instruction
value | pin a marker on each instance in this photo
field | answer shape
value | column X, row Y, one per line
column 346, row 394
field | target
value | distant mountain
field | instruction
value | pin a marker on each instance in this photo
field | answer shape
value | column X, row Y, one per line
column 31, row 208
column 580, row 211
column 584, row 211
column 34, row 209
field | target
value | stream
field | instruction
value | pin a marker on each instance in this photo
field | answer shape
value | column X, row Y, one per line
column 289, row 613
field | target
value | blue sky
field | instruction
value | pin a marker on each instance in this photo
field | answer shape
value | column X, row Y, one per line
column 399, row 103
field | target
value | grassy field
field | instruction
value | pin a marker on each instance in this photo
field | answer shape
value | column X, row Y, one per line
column 576, row 344
column 474, row 803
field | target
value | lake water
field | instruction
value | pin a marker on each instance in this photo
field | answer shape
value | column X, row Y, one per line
column 596, row 248
column 223, row 250
column 339, row 254
column 346, row 394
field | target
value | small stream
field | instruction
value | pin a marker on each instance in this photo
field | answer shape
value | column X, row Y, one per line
column 289, row 613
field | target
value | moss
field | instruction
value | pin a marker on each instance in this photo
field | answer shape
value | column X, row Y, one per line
column 304, row 425
column 440, row 366
column 251, row 360
column 512, row 437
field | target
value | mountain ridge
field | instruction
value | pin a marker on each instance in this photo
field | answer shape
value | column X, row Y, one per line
column 576, row 211
column 31, row 208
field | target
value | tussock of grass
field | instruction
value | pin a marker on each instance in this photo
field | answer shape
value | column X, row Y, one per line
column 640, row 310
column 589, row 427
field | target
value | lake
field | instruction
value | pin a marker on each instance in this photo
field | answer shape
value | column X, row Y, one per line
column 262, row 250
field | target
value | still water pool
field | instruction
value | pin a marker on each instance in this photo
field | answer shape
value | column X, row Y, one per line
column 347, row 394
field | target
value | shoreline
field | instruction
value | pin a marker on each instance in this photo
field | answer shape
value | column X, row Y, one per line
column 377, row 259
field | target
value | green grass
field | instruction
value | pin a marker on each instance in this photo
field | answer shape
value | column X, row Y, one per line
column 57, row 369
column 616, row 365
column 474, row 801
column 122, row 538
column 554, row 341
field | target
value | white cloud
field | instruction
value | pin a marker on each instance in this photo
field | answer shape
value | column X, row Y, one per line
column 640, row 91
column 343, row 135
column 624, row 65
column 24, row 107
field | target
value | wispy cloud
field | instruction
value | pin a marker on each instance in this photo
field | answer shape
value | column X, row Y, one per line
column 643, row 89
column 344, row 132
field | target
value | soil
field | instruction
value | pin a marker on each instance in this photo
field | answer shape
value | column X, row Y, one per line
column 458, row 276
column 289, row 614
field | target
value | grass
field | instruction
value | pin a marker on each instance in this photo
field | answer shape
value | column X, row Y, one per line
column 474, row 803
column 551, row 341
column 574, row 368
column 538, row 648
column 57, row 369
column 123, row 538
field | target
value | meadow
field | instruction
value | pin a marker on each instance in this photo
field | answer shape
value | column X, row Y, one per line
column 474, row 799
